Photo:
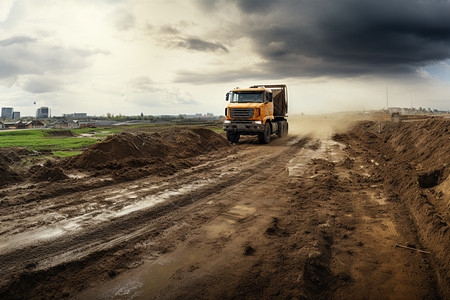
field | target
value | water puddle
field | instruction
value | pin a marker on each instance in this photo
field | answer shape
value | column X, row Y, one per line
column 299, row 164
column 149, row 280
column 27, row 238
column 328, row 150
column 98, row 213
column 294, row 141
column 77, row 176
column 221, row 227
column 152, row 200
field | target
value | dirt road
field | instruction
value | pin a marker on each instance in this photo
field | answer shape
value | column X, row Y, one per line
column 304, row 217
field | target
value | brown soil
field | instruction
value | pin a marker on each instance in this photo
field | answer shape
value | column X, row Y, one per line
column 61, row 133
column 47, row 172
column 8, row 175
column 413, row 162
column 160, row 146
column 304, row 217
column 163, row 152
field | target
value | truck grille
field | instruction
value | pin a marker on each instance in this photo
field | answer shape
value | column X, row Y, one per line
column 242, row 113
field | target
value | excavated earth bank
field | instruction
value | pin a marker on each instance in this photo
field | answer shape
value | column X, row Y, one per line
column 412, row 160
column 163, row 152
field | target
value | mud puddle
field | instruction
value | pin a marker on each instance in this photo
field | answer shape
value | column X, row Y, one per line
column 314, row 149
column 150, row 279
column 47, row 225
column 97, row 214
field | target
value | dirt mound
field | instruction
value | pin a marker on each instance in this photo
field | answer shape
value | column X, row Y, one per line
column 412, row 159
column 8, row 175
column 134, row 150
column 13, row 155
column 61, row 133
column 47, row 172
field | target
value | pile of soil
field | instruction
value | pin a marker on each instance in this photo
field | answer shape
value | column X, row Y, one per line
column 412, row 160
column 7, row 159
column 8, row 176
column 167, row 149
column 47, row 172
column 61, row 133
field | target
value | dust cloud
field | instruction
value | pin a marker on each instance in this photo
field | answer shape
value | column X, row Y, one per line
column 323, row 126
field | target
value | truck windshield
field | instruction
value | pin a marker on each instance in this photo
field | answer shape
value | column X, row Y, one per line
column 247, row 97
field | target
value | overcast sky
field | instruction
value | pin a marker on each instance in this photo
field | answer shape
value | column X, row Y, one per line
column 174, row 56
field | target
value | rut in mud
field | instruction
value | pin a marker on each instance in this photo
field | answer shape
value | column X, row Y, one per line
column 305, row 216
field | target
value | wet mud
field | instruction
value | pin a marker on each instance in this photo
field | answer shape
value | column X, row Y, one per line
column 185, row 215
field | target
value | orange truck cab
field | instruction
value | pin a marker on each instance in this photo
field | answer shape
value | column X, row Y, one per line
column 259, row 110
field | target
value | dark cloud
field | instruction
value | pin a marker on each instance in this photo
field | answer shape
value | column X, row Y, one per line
column 25, row 58
column 168, row 29
column 218, row 77
column 176, row 36
column 364, row 36
column 256, row 6
column 247, row 6
column 344, row 38
column 196, row 44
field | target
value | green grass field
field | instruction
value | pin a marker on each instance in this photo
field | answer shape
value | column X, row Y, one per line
column 41, row 139
column 66, row 153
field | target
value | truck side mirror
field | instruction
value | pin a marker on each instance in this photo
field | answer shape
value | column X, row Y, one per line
column 227, row 96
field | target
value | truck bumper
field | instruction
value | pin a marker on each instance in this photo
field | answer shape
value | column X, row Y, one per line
column 243, row 127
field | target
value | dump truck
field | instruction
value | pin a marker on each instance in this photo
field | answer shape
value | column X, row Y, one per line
column 258, row 110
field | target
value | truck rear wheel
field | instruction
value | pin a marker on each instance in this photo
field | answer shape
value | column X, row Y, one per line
column 233, row 137
column 264, row 137
column 281, row 129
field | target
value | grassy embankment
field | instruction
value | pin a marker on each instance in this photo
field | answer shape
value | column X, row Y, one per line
column 38, row 140
column 60, row 145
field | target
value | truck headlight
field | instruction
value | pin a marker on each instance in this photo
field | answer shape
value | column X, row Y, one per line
column 258, row 122
column 227, row 122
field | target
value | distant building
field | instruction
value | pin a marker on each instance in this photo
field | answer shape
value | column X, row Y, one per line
column 7, row 112
column 66, row 124
column 87, row 125
column 43, row 113
column 76, row 115
column 21, row 125
column 9, row 125
column 2, row 125
column 16, row 115
column 35, row 124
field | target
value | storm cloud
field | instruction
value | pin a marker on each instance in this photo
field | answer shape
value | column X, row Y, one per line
column 343, row 38
column 144, row 56
column 196, row 44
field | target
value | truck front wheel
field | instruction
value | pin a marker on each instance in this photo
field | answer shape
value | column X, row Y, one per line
column 233, row 137
column 264, row 137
